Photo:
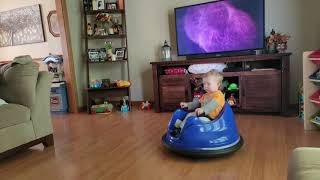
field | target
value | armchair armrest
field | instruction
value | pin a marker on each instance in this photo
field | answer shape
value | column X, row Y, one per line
column 40, row 111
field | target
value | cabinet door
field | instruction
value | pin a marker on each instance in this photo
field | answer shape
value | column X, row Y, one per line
column 261, row 91
column 173, row 90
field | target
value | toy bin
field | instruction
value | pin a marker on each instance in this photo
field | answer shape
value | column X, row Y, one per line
column 58, row 98
column 315, row 77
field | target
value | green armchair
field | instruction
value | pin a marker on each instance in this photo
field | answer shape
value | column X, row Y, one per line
column 25, row 121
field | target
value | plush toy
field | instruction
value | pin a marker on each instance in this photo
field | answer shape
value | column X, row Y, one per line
column 145, row 106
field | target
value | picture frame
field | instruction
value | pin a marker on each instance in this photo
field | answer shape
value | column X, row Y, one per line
column 120, row 53
column 102, row 54
column 98, row 5
column 53, row 23
column 22, row 26
column 112, row 6
column 94, row 55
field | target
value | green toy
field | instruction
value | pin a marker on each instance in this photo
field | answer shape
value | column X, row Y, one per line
column 102, row 108
column 225, row 84
column 233, row 87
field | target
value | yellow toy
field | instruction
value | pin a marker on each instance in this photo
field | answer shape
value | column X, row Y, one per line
column 123, row 83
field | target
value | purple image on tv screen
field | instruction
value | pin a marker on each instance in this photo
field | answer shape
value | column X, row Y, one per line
column 219, row 27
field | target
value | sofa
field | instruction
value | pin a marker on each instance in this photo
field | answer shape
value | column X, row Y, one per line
column 304, row 164
column 25, row 118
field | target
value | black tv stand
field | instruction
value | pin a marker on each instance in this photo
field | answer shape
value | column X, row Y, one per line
column 226, row 54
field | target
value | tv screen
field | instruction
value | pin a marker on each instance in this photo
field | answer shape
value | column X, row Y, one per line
column 220, row 26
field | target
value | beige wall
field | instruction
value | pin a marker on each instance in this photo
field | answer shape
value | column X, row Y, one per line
column 149, row 25
column 37, row 50
column 150, row 22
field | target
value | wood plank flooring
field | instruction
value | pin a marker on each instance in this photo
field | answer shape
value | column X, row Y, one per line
column 128, row 146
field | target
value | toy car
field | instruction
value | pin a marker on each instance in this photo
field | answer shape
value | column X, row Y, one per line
column 204, row 139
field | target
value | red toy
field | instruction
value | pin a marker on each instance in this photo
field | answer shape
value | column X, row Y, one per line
column 145, row 106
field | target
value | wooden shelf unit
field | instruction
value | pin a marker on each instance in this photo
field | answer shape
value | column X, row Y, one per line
column 308, row 89
column 117, row 36
column 93, row 93
column 259, row 91
column 95, row 12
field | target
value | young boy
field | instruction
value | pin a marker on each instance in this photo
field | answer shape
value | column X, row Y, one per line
column 210, row 103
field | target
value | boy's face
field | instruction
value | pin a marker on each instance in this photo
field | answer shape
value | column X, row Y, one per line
column 210, row 84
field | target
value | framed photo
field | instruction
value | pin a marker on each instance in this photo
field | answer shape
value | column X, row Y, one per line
column 102, row 54
column 94, row 55
column 98, row 5
column 120, row 53
column 112, row 6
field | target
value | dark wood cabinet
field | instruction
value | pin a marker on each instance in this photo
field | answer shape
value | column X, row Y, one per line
column 263, row 82
column 173, row 90
column 261, row 91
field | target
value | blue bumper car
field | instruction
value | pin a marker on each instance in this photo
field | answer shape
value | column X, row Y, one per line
column 204, row 139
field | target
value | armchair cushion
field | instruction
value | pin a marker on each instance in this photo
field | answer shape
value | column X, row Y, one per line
column 13, row 114
column 304, row 164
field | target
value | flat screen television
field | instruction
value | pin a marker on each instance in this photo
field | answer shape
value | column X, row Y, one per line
column 220, row 27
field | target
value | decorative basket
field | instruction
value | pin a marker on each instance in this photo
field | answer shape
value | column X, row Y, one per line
column 175, row 71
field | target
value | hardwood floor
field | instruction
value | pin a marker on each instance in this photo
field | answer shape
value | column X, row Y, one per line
column 128, row 146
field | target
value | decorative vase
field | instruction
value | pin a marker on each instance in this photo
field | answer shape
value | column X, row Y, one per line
column 272, row 48
column 282, row 47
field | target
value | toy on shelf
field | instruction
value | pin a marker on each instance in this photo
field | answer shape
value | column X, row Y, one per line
column 124, row 107
column 315, row 77
column 315, row 119
column 95, row 84
column 301, row 102
column 55, row 66
column 121, row 83
column 315, row 56
column 145, row 106
column 198, row 90
column 225, row 84
column 232, row 100
column 105, row 108
column 89, row 30
column 233, row 87
column 315, row 98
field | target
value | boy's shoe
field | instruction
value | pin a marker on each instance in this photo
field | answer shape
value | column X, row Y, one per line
column 176, row 132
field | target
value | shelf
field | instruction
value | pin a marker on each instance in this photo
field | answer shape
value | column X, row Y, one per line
column 117, row 61
column 106, row 89
column 94, row 12
column 108, row 37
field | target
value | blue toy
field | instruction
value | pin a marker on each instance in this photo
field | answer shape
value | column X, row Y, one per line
column 204, row 139
column 124, row 107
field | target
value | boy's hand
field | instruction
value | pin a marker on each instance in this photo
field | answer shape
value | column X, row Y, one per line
column 183, row 105
column 199, row 111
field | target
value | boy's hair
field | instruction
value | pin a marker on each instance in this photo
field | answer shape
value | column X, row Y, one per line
column 214, row 74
